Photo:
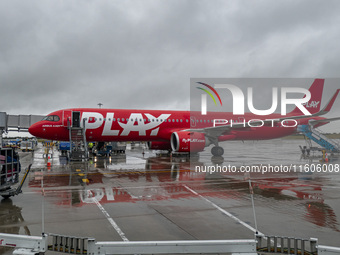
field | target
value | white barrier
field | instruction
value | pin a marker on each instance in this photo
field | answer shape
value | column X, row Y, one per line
column 24, row 244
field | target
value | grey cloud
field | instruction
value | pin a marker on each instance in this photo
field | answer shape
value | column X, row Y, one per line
column 142, row 54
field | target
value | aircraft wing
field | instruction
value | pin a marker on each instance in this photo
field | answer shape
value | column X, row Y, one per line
column 314, row 122
column 220, row 130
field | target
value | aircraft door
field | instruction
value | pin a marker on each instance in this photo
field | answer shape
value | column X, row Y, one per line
column 76, row 119
column 67, row 116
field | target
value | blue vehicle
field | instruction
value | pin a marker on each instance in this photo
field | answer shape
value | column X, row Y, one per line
column 64, row 147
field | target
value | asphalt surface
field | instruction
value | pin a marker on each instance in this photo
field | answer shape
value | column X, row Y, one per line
column 144, row 196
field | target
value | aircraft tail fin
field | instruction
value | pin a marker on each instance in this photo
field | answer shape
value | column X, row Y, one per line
column 313, row 105
column 330, row 103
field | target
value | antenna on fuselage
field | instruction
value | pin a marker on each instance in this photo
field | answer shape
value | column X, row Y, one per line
column 100, row 105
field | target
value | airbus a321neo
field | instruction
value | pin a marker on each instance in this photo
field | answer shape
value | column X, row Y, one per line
column 181, row 131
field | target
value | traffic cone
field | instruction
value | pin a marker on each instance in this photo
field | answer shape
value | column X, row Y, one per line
column 326, row 158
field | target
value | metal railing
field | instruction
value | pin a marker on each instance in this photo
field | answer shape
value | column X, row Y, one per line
column 84, row 245
column 319, row 138
column 67, row 244
column 84, row 139
column 286, row 245
column 331, row 141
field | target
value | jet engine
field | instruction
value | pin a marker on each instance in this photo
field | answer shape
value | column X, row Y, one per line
column 184, row 141
column 156, row 145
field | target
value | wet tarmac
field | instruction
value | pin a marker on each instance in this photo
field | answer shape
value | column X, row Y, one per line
column 143, row 196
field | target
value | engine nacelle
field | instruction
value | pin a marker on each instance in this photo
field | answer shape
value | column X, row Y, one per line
column 156, row 145
column 184, row 141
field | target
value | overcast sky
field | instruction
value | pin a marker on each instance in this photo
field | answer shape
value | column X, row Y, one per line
column 142, row 54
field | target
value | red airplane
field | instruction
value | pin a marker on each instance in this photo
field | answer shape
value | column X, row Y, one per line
column 181, row 131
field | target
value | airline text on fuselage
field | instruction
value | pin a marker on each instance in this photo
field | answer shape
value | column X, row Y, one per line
column 135, row 123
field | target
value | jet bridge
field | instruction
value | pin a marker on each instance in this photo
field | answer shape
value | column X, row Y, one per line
column 18, row 123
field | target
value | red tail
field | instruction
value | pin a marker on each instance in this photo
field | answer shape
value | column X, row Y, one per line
column 313, row 105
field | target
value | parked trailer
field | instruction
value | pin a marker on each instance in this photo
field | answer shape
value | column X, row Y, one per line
column 9, row 173
column 9, row 167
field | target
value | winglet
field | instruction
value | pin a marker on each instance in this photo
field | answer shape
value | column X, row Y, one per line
column 329, row 105
column 324, row 111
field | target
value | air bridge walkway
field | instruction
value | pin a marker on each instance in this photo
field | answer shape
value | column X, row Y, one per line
column 19, row 123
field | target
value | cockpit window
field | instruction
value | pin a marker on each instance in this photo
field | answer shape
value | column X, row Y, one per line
column 52, row 118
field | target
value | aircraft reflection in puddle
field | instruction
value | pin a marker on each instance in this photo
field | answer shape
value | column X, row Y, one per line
column 11, row 220
column 163, row 178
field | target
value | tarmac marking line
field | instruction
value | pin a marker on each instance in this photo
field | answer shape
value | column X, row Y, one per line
column 112, row 222
column 224, row 211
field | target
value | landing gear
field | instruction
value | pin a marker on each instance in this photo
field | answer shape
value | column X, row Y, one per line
column 217, row 151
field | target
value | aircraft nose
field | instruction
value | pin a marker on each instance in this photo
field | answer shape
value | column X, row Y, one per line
column 35, row 129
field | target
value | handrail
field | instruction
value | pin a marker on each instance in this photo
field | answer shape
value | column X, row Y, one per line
column 84, row 137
